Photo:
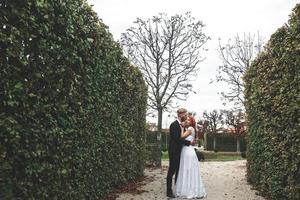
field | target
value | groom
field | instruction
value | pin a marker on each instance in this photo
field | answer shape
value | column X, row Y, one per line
column 175, row 145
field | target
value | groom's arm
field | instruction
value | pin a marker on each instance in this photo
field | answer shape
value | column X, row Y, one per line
column 176, row 135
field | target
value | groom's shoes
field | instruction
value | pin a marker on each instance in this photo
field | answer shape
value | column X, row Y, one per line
column 170, row 194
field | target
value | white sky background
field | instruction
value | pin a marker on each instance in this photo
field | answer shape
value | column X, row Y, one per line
column 223, row 19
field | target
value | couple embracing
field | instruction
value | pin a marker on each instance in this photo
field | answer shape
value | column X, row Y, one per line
column 183, row 161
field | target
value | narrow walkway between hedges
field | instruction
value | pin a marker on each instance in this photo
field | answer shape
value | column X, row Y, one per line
column 223, row 181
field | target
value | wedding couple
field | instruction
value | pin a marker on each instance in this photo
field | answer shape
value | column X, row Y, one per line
column 183, row 161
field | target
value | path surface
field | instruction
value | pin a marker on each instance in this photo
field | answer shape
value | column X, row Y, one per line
column 223, row 181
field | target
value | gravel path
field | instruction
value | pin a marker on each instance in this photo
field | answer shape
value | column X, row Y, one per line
column 223, row 181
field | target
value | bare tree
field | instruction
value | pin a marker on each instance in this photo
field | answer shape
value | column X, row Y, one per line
column 237, row 55
column 215, row 122
column 167, row 50
column 236, row 119
column 204, row 124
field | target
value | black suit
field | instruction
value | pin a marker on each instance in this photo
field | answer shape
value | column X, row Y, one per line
column 175, row 145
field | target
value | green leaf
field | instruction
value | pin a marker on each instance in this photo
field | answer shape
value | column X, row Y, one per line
column 31, row 95
column 19, row 86
column 90, row 39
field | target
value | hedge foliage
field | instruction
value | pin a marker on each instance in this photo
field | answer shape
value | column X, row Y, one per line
column 151, row 138
column 273, row 109
column 72, row 108
column 154, row 148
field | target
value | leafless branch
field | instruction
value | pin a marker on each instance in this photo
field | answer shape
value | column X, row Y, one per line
column 237, row 56
column 167, row 50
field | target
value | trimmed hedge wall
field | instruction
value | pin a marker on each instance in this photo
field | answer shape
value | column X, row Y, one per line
column 153, row 147
column 273, row 109
column 151, row 138
column 225, row 143
column 72, row 109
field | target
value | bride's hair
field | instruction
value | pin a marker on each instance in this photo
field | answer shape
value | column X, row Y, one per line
column 192, row 121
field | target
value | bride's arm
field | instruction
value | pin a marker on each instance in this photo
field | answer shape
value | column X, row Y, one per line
column 185, row 134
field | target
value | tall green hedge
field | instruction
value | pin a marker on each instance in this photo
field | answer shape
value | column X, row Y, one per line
column 224, row 142
column 273, row 109
column 72, row 108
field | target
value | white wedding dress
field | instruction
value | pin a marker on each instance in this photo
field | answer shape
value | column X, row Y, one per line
column 189, row 183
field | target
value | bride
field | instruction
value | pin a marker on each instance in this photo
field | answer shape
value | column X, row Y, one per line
column 189, row 182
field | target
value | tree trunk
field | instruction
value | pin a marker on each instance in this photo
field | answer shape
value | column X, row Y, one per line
column 205, row 141
column 166, row 141
column 159, row 127
column 159, row 122
column 238, row 148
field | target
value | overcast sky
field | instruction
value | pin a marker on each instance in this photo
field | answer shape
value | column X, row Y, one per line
column 223, row 19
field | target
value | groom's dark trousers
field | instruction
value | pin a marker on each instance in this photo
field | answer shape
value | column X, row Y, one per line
column 175, row 145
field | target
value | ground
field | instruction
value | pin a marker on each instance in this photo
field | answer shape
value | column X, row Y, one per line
column 223, row 181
